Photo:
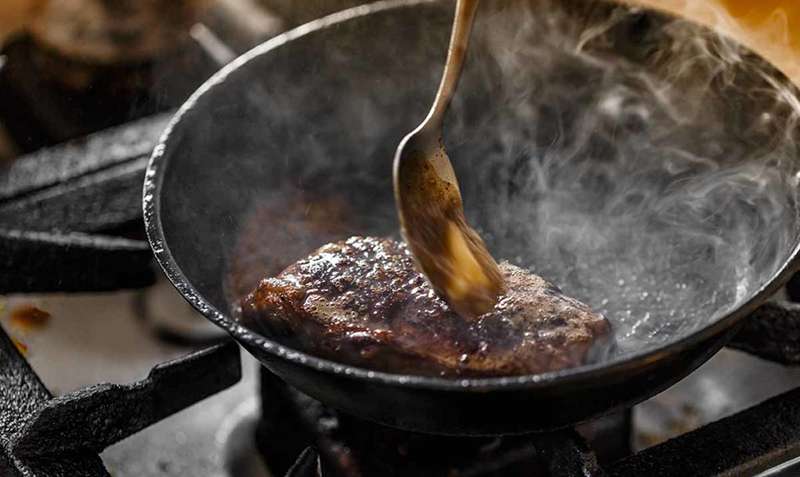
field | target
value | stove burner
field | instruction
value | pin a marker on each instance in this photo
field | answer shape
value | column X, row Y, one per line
column 772, row 332
column 172, row 320
column 752, row 441
column 746, row 443
column 350, row 447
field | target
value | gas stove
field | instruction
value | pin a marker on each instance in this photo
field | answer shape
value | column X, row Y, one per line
column 105, row 370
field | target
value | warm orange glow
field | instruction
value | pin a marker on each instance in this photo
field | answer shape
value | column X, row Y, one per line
column 770, row 27
column 12, row 15
column 757, row 12
column 782, row 15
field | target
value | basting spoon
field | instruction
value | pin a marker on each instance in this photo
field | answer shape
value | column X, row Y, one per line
column 452, row 255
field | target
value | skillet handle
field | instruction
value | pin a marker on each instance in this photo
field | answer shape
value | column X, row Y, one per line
column 772, row 332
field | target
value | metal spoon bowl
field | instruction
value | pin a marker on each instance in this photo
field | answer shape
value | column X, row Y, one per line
column 451, row 254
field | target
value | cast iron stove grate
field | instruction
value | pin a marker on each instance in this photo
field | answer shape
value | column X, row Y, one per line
column 70, row 221
column 42, row 436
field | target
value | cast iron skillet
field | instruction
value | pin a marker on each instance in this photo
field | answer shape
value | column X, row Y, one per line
column 254, row 126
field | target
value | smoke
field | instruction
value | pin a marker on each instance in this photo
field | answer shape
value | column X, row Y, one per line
column 643, row 164
column 640, row 162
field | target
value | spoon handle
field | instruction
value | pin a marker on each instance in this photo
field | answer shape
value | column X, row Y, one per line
column 459, row 41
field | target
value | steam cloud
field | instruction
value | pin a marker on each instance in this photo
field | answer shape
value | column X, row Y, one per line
column 641, row 163
column 646, row 166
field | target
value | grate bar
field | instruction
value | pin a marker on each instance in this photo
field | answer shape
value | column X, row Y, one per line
column 98, row 416
column 70, row 161
column 746, row 443
column 41, row 436
column 772, row 332
column 95, row 202
column 34, row 262
column 23, row 393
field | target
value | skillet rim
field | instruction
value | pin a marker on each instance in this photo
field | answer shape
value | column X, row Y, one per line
column 577, row 376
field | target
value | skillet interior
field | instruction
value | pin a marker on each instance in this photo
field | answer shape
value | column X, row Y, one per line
column 600, row 147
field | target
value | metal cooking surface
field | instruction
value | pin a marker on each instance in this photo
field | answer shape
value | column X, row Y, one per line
column 623, row 176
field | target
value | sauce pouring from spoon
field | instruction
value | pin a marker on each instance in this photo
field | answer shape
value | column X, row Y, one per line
column 452, row 255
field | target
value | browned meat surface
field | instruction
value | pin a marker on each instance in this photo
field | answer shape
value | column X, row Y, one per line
column 362, row 302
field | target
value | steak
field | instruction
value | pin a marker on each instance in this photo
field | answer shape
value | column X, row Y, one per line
column 362, row 302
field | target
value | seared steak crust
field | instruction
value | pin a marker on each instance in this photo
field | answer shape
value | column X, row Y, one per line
column 362, row 302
